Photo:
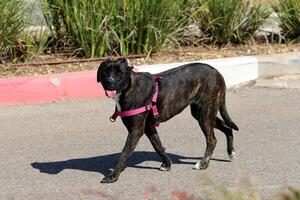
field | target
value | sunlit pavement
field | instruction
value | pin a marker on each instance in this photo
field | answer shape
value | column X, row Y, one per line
column 62, row 150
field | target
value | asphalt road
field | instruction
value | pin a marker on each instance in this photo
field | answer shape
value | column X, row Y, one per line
column 62, row 150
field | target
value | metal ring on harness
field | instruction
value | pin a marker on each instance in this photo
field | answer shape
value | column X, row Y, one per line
column 112, row 119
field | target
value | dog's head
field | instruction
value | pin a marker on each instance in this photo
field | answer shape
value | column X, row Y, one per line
column 115, row 76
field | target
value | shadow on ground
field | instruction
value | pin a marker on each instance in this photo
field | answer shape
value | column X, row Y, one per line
column 104, row 164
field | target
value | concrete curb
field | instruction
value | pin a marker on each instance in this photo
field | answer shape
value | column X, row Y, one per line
column 50, row 88
column 81, row 85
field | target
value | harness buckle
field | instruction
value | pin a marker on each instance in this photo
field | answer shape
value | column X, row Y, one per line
column 148, row 107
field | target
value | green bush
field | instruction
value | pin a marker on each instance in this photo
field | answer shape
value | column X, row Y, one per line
column 33, row 43
column 229, row 21
column 11, row 26
column 100, row 27
column 289, row 15
column 122, row 27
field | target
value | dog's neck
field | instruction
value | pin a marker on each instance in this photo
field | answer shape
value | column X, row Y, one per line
column 118, row 96
column 137, row 94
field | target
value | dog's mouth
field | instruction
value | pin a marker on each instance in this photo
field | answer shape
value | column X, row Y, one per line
column 111, row 93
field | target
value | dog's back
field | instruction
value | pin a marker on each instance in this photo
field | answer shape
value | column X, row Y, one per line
column 192, row 83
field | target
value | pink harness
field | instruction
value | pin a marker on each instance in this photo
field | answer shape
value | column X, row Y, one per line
column 151, row 106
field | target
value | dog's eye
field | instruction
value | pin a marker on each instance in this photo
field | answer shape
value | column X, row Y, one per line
column 105, row 72
column 119, row 72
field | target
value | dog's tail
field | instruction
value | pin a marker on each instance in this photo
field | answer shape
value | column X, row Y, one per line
column 226, row 117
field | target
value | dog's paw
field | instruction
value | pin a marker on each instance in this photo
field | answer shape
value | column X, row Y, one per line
column 165, row 167
column 232, row 156
column 200, row 165
column 109, row 179
column 197, row 166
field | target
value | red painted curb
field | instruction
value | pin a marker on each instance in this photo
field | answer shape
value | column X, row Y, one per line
column 49, row 88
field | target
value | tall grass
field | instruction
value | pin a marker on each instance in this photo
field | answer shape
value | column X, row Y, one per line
column 229, row 21
column 145, row 26
column 100, row 27
column 88, row 22
column 56, row 21
column 33, row 43
column 122, row 27
column 11, row 26
column 289, row 15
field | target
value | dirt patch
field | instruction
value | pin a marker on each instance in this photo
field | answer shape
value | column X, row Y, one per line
column 173, row 55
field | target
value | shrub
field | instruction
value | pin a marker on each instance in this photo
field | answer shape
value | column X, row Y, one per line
column 100, row 27
column 289, row 15
column 33, row 43
column 229, row 21
column 11, row 26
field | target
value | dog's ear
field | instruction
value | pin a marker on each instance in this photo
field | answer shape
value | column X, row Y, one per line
column 129, row 64
column 100, row 68
column 125, row 64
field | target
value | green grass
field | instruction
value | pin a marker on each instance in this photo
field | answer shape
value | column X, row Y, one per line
column 33, row 44
column 120, row 27
column 11, row 26
column 229, row 21
column 98, row 28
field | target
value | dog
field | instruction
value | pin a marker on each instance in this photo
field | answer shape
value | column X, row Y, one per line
column 197, row 85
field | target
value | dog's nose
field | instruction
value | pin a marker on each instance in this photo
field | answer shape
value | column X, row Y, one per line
column 110, row 80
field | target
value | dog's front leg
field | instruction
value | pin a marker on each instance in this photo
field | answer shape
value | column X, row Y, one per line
column 131, row 142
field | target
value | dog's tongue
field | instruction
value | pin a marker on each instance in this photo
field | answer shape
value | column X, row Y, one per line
column 111, row 93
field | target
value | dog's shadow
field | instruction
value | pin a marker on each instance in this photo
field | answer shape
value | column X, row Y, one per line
column 104, row 164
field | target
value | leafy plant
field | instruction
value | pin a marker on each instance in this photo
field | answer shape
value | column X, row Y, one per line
column 146, row 26
column 229, row 21
column 53, row 11
column 11, row 26
column 100, row 27
column 289, row 15
column 33, row 43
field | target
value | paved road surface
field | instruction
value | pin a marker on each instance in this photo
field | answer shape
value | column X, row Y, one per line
column 62, row 150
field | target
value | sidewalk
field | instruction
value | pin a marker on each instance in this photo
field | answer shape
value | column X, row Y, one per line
column 285, row 81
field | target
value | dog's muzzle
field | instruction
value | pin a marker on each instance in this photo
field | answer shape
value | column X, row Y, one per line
column 111, row 93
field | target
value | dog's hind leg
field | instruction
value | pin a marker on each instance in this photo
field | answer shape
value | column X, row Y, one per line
column 152, row 135
column 220, row 124
column 206, row 119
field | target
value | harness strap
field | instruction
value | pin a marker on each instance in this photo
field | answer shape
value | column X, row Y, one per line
column 151, row 106
column 154, row 99
column 130, row 112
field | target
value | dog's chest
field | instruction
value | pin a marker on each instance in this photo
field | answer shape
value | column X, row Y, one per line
column 117, row 100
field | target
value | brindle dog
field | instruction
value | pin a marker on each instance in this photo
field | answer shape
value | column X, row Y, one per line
column 197, row 85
